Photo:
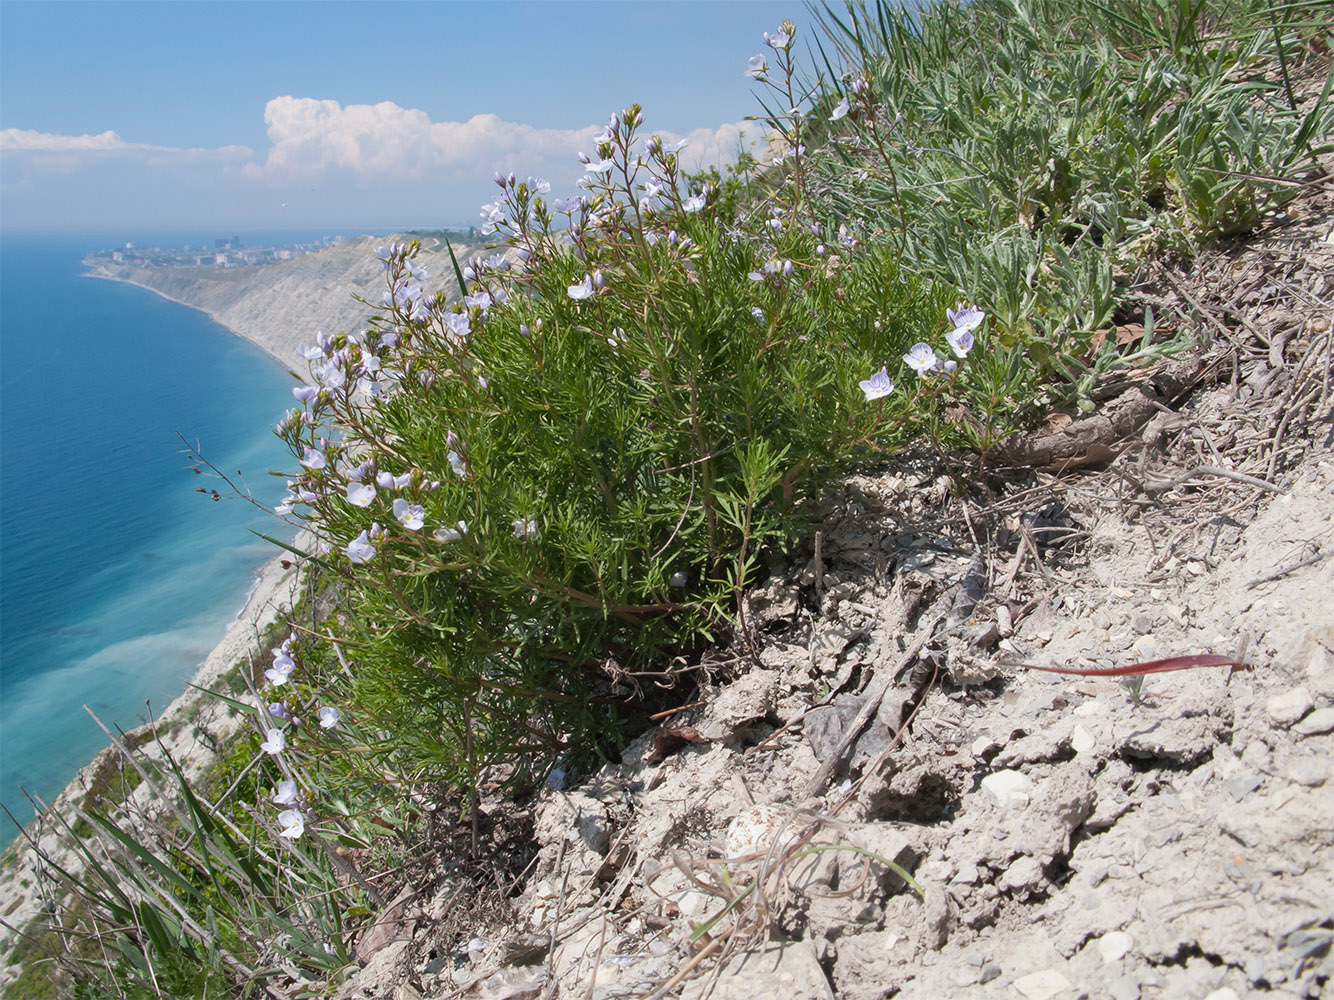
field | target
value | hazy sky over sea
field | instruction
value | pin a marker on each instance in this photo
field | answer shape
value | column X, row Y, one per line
column 279, row 115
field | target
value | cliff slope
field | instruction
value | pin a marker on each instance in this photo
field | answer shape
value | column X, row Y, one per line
column 278, row 306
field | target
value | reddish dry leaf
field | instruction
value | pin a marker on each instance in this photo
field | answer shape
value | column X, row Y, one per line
column 1147, row 667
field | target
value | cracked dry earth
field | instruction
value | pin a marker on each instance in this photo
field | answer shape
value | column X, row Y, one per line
column 1072, row 836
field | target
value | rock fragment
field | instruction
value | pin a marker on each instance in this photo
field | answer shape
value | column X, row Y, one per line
column 1042, row 985
column 1286, row 708
column 1008, row 789
column 1318, row 722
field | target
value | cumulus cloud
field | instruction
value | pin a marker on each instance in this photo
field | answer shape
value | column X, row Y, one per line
column 324, row 164
column 386, row 142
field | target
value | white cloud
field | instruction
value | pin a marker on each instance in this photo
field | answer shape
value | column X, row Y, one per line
column 385, row 142
column 52, row 152
column 358, row 165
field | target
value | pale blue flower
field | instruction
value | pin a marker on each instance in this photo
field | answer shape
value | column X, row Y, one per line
column 310, row 353
column 384, row 480
column 410, row 515
column 451, row 534
column 583, row 290
column 314, row 459
column 360, row 550
column 275, row 742
column 920, row 358
column 778, row 40
column 960, row 340
column 600, row 167
column 492, row 214
column 877, row 385
column 758, row 66
column 304, row 393
column 525, row 528
column 966, row 317
column 286, row 794
column 329, row 717
column 459, row 324
column 456, row 463
column 293, row 823
column 694, row 204
column 840, row 111
column 360, row 494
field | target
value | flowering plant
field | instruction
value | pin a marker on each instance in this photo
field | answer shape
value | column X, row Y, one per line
column 630, row 393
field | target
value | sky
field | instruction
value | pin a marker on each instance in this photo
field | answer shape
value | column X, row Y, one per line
column 300, row 114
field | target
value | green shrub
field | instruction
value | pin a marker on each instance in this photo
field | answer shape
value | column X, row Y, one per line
column 635, row 400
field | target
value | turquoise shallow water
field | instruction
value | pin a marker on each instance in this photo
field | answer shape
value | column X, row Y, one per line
column 116, row 577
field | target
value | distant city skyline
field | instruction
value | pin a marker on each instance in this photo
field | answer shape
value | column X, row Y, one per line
column 352, row 115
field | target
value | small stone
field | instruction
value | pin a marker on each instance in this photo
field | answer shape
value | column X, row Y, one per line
column 1081, row 740
column 1242, row 785
column 988, row 973
column 974, row 958
column 1124, row 988
column 1285, row 709
column 1226, row 993
column 756, row 830
column 1146, row 647
column 1114, row 946
column 1024, row 873
column 1319, row 721
column 1042, row 985
column 1141, row 623
column 982, row 744
column 967, row 875
column 1008, row 788
column 1308, row 771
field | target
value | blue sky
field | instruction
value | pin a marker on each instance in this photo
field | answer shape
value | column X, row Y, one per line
column 352, row 115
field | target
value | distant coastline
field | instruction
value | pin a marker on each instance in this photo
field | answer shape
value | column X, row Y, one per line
column 279, row 306
column 96, row 273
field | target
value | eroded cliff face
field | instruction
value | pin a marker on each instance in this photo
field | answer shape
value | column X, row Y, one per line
column 279, row 306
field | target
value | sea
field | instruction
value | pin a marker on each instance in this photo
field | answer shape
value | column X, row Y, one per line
column 117, row 577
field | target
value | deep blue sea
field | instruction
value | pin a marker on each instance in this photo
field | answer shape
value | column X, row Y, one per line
column 116, row 577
